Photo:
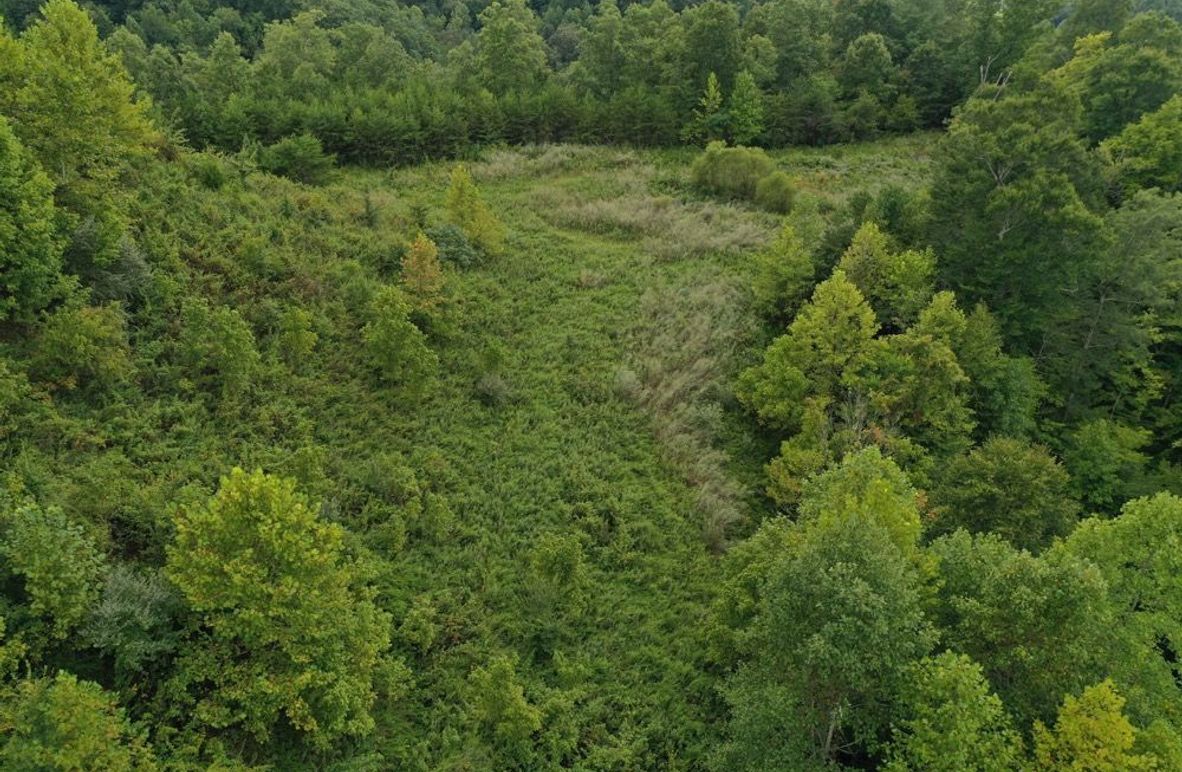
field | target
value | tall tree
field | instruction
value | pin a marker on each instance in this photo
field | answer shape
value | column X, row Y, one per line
column 1007, row 487
column 1091, row 732
column 285, row 630
column 70, row 102
column 511, row 54
column 1148, row 153
column 838, row 626
column 30, row 250
column 1012, row 207
column 602, row 53
column 745, row 110
column 1038, row 626
column 1134, row 553
column 833, row 330
column 951, row 721
column 712, row 45
column 897, row 285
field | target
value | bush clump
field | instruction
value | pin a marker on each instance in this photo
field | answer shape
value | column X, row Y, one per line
column 300, row 158
column 775, row 193
column 733, row 172
column 454, row 246
column 745, row 173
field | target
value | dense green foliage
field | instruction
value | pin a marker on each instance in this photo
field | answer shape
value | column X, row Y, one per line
column 567, row 457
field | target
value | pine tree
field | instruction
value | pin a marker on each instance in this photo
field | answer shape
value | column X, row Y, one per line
column 745, row 112
column 422, row 274
column 467, row 210
column 708, row 121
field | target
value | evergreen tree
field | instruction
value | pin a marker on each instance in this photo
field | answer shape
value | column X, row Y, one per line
column 834, row 330
column 708, row 122
column 745, row 111
column 467, row 210
column 422, row 274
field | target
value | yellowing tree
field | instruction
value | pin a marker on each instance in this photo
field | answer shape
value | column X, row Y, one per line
column 466, row 209
column 1091, row 735
column 422, row 273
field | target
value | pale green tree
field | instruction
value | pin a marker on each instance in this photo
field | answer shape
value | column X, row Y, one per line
column 56, row 561
column 745, row 112
column 951, row 721
column 467, row 210
column 896, row 284
column 708, row 121
column 397, row 349
column 287, row 631
column 60, row 724
column 70, row 102
column 1091, row 733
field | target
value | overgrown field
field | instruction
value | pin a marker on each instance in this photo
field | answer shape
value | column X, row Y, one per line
column 552, row 503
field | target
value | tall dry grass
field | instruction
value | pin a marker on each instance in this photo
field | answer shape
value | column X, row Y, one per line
column 680, row 373
column 670, row 228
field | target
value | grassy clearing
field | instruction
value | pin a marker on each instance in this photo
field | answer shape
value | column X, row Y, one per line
column 620, row 311
column 612, row 422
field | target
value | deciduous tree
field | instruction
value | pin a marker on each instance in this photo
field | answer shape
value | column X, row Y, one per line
column 30, row 249
column 286, row 631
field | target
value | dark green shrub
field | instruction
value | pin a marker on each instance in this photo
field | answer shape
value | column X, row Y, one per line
column 208, row 170
column 300, row 158
column 454, row 246
column 775, row 193
column 733, row 172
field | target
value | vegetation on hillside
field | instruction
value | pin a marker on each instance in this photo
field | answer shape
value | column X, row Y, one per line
column 345, row 426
